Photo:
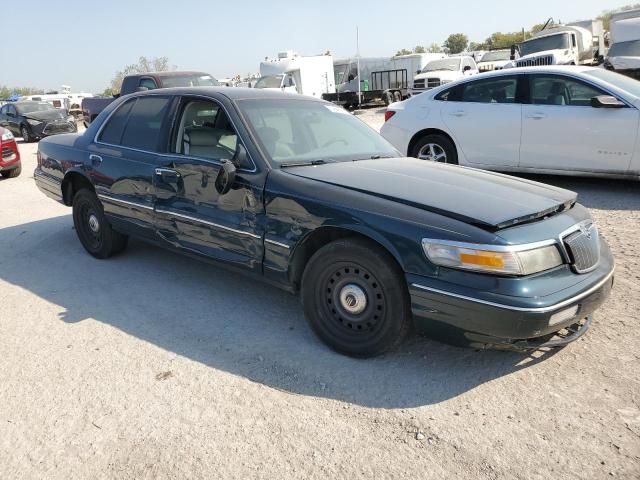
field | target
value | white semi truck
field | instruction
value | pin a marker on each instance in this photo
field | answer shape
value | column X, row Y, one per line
column 386, row 79
column 624, row 43
column 293, row 73
column 577, row 43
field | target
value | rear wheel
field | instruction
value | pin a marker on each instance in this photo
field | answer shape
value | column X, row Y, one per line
column 94, row 231
column 435, row 148
column 397, row 97
column 355, row 298
column 387, row 98
column 12, row 173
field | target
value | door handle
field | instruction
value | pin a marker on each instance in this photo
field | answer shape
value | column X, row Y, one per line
column 458, row 113
column 167, row 174
column 95, row 160
column 536, row 115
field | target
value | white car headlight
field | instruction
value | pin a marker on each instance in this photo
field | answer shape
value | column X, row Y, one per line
column 33, row 122
column 515, row 260
column 7, row 135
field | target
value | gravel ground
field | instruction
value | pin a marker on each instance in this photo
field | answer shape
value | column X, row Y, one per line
column 152, row 365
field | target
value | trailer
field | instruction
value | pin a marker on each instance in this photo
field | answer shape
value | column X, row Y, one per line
column 381, row 78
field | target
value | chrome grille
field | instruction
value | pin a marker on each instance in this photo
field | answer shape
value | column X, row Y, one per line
column 583, row 246
column 535, row 62
column 433, row 82
column 418, row 83
column 57, row 127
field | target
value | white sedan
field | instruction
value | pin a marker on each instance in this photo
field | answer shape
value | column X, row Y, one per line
column 560, row 120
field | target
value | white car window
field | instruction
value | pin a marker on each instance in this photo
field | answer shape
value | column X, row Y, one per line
column 493, row 90
column 558, row 90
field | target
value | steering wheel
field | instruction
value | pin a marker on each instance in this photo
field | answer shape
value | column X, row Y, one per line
column 331, row 141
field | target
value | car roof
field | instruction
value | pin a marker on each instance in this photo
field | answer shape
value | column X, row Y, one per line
column 232, row 93
column 181, row 73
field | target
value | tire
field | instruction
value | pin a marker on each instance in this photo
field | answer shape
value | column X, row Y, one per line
column 343, row 273
column 397, row 97
column 13, row 173
column 431, row 147
column 26, row 136
column 387, row 98
column 92, row 227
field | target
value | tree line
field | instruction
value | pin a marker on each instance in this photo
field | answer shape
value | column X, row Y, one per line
column 459, row 42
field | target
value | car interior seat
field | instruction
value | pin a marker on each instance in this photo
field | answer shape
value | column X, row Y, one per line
column 207, row 142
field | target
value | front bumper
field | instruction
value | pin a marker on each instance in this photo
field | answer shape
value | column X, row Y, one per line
column 46, row 129
column 460, row 315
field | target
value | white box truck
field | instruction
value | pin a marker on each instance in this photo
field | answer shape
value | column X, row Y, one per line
column 293, row 73
column 624, row 43
column 386, row 79
column 577, row 43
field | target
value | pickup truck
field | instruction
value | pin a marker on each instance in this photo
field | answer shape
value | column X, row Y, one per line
column 91, row 107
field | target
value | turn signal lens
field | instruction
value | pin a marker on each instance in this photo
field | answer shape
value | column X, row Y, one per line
column 388, row 114
column 508, row 260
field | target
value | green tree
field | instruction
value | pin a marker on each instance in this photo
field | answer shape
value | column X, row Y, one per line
column 404, row 51
column 456, row 43
column 144, row 65
column 6, row 92
column 434, row 48
column 419, row 49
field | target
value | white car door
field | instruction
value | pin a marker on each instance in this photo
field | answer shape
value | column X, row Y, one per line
column 484, row 117
column 562, row 131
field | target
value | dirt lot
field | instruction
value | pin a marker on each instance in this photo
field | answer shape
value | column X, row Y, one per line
column 152, row 365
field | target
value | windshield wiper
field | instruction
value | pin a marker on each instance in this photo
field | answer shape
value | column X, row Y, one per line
column 319, row 161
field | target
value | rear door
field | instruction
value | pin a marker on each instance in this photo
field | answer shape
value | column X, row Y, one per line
column 562, row 131
column 484, row 117
column 123, row 159
column 191, row 213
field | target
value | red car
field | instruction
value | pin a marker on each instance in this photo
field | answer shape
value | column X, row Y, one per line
column 10, row 165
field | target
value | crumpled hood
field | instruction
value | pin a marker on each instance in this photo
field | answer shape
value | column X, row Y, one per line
column 47, row 115
column 486, row 199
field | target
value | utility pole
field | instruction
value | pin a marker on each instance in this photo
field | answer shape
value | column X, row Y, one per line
column 358, row 58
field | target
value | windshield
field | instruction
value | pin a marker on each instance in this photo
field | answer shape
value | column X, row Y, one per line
column 340, row 72
column 622, row 82
column 496, row 56
column 190, row 81
column 30, row 107
column 452, row 64
column 273, row 81
column 625, row 49
column 552, row 42
column 295, row 131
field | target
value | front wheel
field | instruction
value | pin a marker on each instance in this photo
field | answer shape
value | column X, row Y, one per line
column 355, row 298
column 94, row 231
column 435, row 148
column 26, row 136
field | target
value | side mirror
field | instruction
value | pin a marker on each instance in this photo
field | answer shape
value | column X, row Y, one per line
column 141, row 89
column 606, row 101
column 466, row 68
column 226, row 177
column 513, row 53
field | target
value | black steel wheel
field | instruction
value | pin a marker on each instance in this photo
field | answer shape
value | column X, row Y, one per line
column 94, row 231
column 355, row 298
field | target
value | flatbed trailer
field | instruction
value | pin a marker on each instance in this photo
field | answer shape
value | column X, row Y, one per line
column 387, row 86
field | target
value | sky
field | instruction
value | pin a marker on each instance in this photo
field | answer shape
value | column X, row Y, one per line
column 83, row 43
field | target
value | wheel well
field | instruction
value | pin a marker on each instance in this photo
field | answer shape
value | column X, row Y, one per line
column 428, row 131
column 318, row 239
column 73, row 182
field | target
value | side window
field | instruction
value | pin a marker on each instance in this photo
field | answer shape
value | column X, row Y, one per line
column 445, row 95
column 204, row 130
column 12, row 110
column 143, row 128
column 148, row 83
column 113, row 129
column 557, row 90
column 4, row 110
column 494, row 90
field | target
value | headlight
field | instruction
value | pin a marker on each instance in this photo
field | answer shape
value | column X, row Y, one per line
column 442, row 82
column 508, row 260
column 7, row 135
column 34, row 122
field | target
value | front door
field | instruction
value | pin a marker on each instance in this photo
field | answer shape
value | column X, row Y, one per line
column 562, row 131
column 484, row 117
column 191, row 213
column 123, row 160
